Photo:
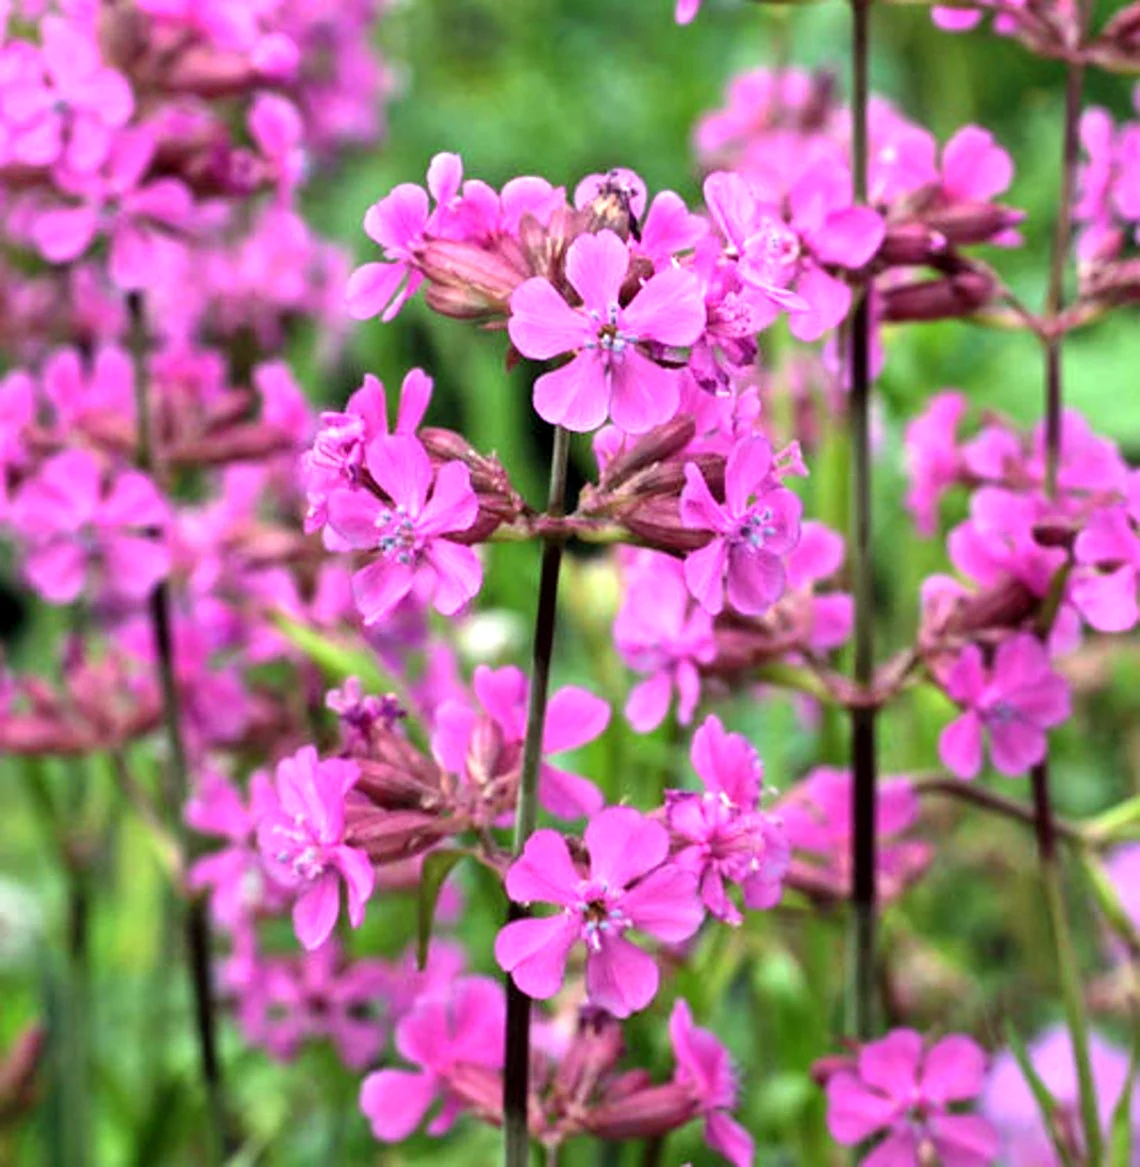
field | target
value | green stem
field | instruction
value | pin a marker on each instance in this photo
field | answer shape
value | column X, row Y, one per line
column 861, row 1020
column 196, row 923
column 1068, row 970
column 516, row 1085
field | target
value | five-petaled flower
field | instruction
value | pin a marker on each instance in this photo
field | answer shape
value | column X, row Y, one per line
column 612, row 373
column 1015, row 702
column 758, row 524
column 629, row 885
column 409, row 529
column 302, row 843
column 899, row 1087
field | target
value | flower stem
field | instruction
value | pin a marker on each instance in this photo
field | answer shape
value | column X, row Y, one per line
column 516, row 1086
column 196, row 923
column 1068, row 969
column 863, row 754
column 1044, row 821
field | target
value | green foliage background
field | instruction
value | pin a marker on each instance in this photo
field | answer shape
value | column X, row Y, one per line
column 563, row 88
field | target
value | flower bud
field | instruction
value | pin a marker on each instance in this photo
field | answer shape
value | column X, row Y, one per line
column 971, row 222
column 388, row 836
column 910, row 245
column 658, row 522
column 941, row 299
column 648, row 450
column 469, row 282
column 643, row 1114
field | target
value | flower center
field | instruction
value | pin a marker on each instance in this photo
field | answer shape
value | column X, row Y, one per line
column 757, row 527
column 611, row 340
column 396, row 535
column 601, row 916
column 299, row 850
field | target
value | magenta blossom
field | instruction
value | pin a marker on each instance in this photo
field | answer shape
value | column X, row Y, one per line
column 302, row 844
column 1107, row 551
column 73, row 520
column 757, row 525
column 137, row 215
column 704, row 1068
column 934, row 461
column 630, row 885
column 574, row 717
column 612, row 374
column 662, row 631
column 1016, row 702
column 899, row 1087
column 816, row 817
column 464, row 1026
column 723, row 836
column 337, row 456
column 409, row 532
column 399, row 223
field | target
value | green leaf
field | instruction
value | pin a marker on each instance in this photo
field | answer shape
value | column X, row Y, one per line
column 437, row 866
column 1046, row 1103
column 1120, row 1132
column 337, row 661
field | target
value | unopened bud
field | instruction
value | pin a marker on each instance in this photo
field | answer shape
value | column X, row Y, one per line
column 658, row 522
column 651, row 448
column 643, row 1114
column 971, row 222
column 910, row 245
column 941, row 299
column 469, row 282
column 388, row 836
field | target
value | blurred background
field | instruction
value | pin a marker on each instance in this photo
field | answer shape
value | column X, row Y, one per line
column 563, row 88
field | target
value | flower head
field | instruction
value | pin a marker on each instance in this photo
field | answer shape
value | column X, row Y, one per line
column 899, row 1087
column 612, row 374
column 1014, row 702
column 629, row 885
column 302, row 843
column 755, row 527
column 408, row 530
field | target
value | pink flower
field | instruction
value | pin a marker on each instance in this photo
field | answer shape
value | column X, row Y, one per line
column 302, row 844
column 72, row 520
column 574, row 717
column 899, row 1087
column 1009, row 1104
column 462, row 1027
column 337, row 456
column 1016, row 702
column 723, row 836
column 60, row 103
column 816, row 817
column 137, row 216
column 630, row 885
column 410, row 532
column 933, row 459
column 611, row 374
column 1107, row 552
column 235, row 876
column 705, row 1069
column 757, row 525
column 399, row 223
column 662, row 631
column 685, row 11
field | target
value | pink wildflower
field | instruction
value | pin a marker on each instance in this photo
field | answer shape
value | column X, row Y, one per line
column 1016, row 702
column 723, row 836
column 302, row 844
column 463, row 1026
column 662, row 631
column 758, row 523
column 933, row 458
column 704, row 1068
column 898, row 1087
column 409, row 532
column 399, row 223
column 1107, row 551
column 630, row 885
column 72, row 520
column 611, row 374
